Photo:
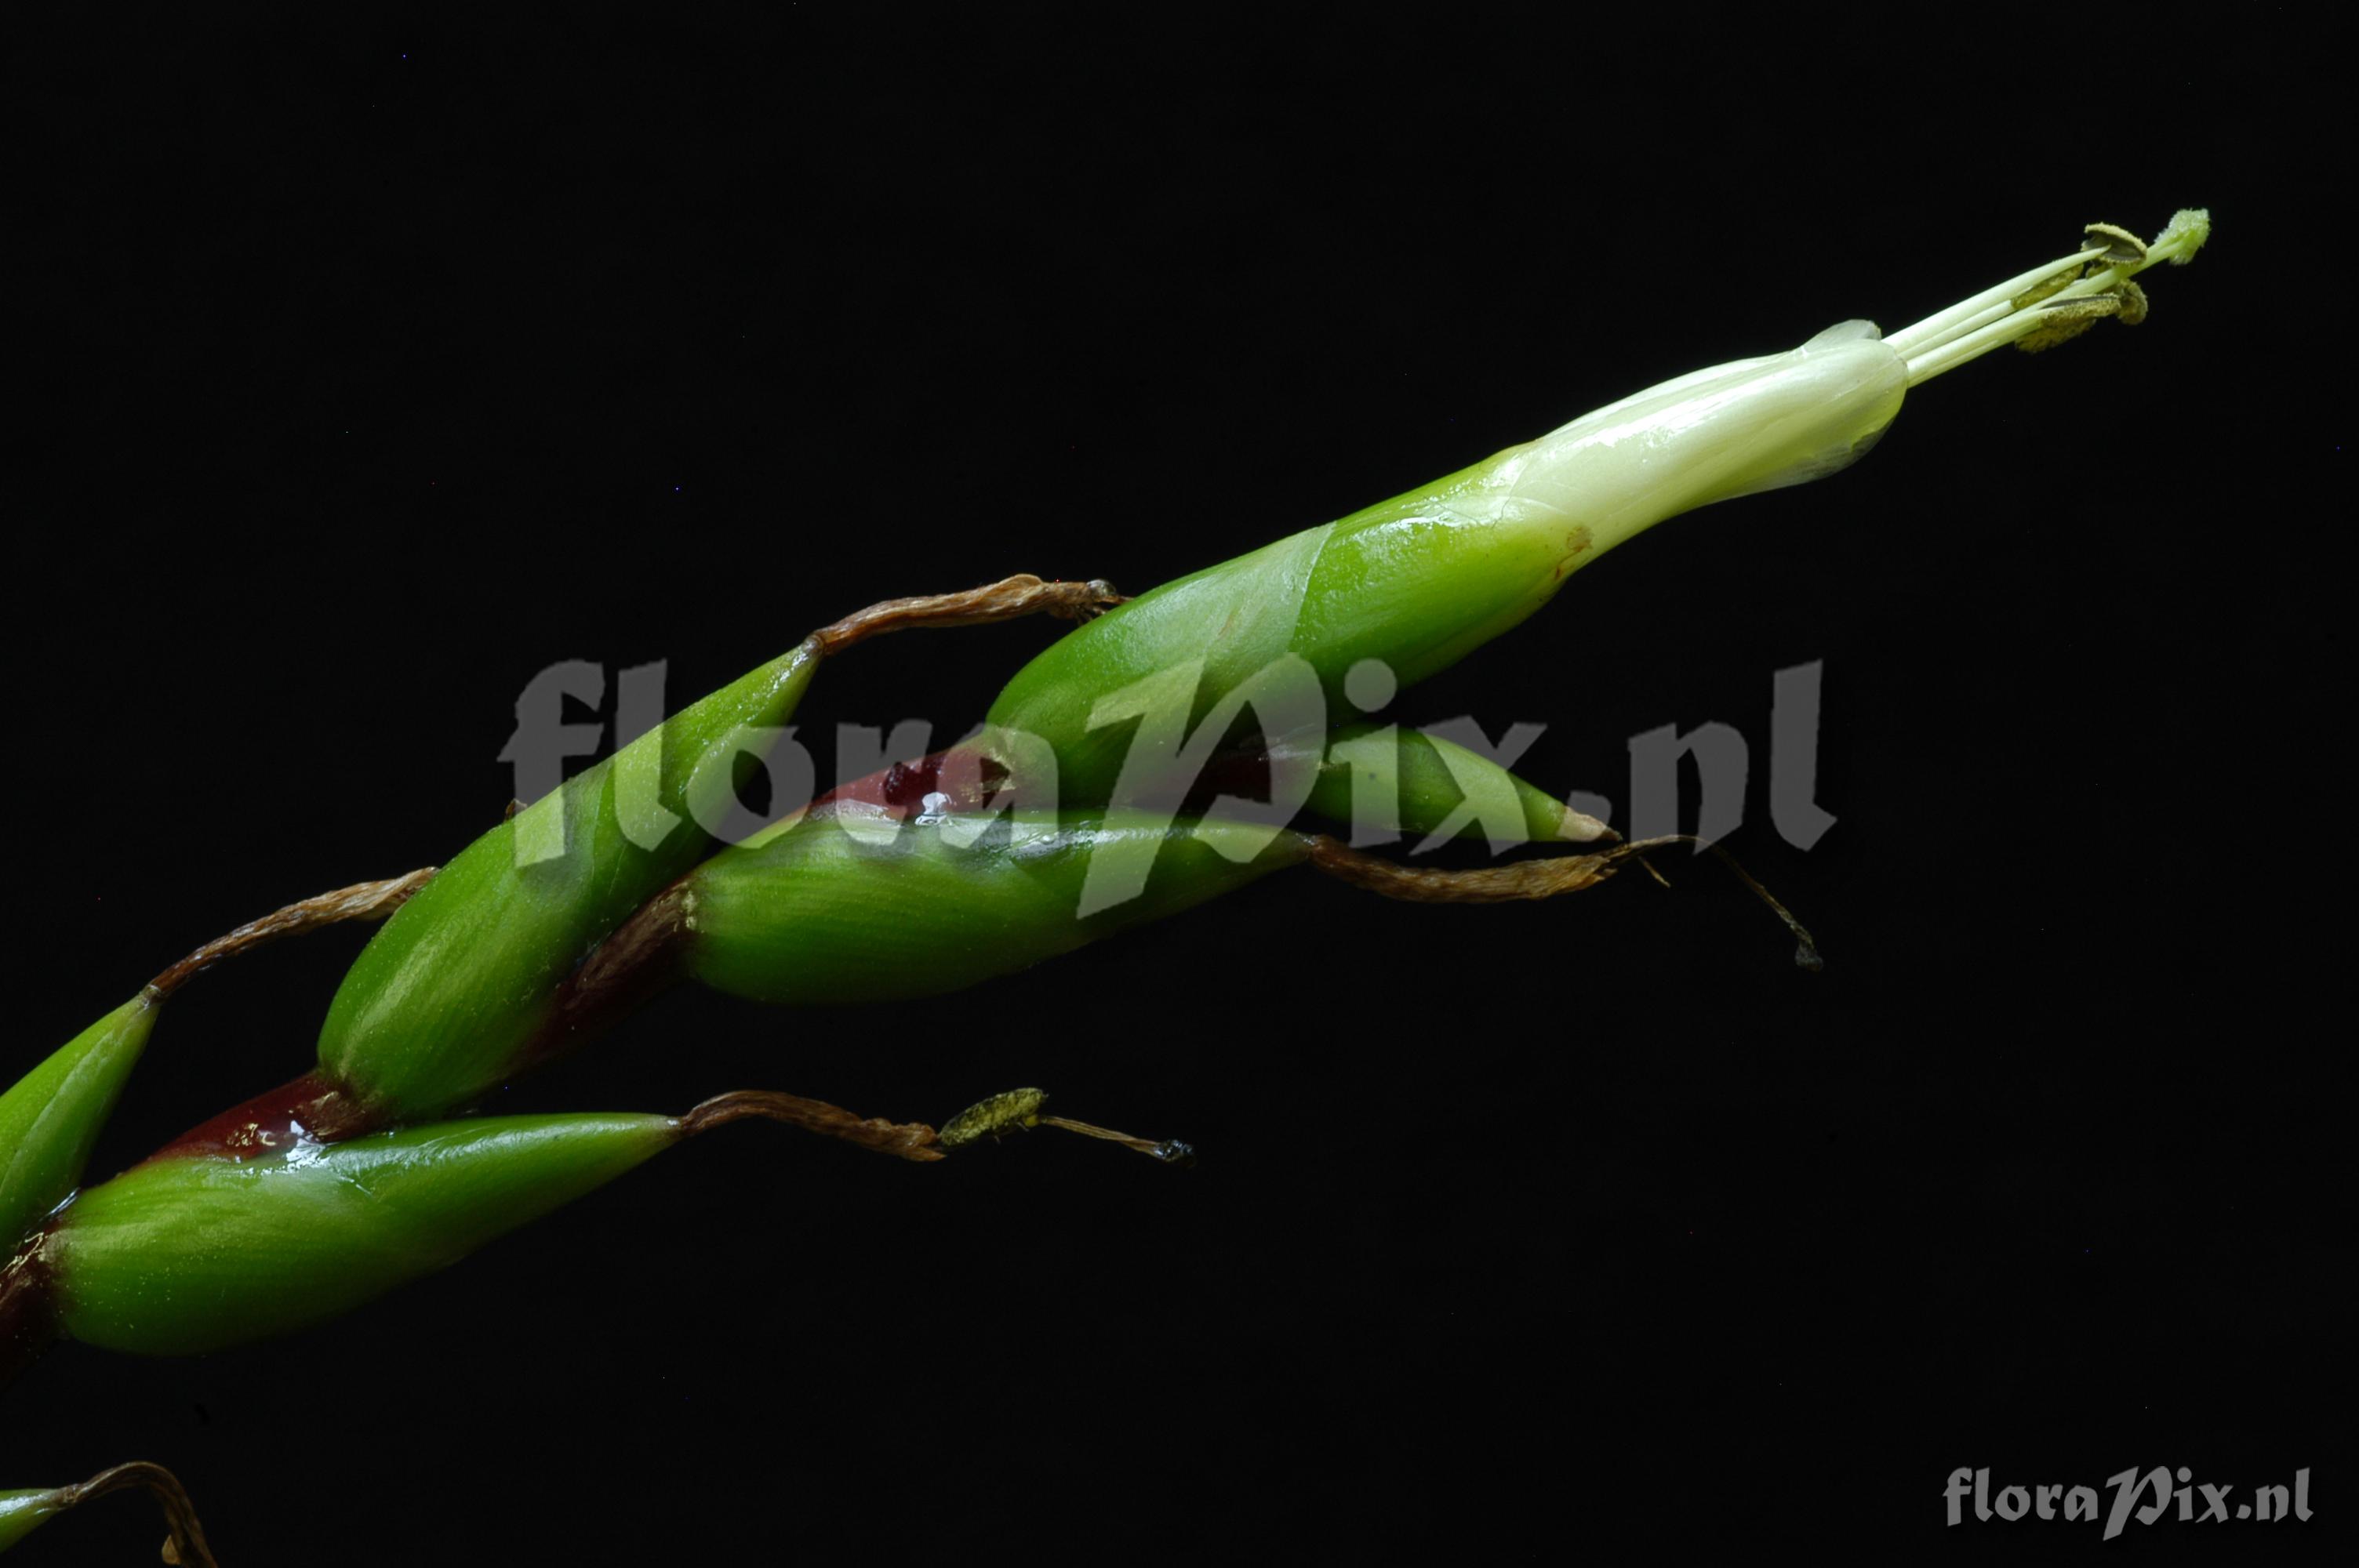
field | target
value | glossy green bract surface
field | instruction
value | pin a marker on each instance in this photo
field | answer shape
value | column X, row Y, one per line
column 21, row 1513
column 189, row 1254
column 1406, row 782
column 1415, row 581
column 51, row 1117
column 827, row 912
column 442, row 1003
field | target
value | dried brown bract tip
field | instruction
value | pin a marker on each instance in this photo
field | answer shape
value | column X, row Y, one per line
column 906, row 1140
column 1532, row 879
column 186, row 1545
column 1485, row 885
column 361, row 901
column 1009, row 599
column 1806, row 946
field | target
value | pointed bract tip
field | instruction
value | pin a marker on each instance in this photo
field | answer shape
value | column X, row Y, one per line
column 1580, row 827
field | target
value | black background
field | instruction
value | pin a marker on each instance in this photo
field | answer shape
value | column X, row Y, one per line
column 367, row 376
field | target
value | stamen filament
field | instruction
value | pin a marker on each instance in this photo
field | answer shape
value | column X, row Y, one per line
column 1967, row 314
column 2002, row 315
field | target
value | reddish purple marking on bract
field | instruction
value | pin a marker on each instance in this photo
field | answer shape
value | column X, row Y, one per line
column 970, row 780
column 901, row 790
column 309, row 1107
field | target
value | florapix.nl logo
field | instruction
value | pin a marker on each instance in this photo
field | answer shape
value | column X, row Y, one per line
column 1175, row 736
column 2146, row 1497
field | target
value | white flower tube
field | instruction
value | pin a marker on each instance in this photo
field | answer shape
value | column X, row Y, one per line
column 1760, row 424
column 1419, row 581
column 1732, row 430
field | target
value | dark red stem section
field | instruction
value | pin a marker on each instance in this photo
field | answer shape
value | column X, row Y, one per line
column 640, row 959
column 312, row 1108
column 28, row 1322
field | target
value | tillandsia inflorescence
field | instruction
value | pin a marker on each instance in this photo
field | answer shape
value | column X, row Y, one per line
column 1108, row 787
